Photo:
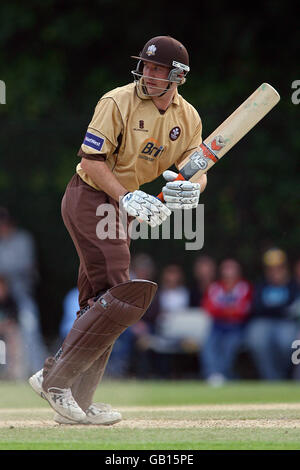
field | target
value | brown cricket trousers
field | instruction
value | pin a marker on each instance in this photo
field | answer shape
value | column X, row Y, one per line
column 104, row 261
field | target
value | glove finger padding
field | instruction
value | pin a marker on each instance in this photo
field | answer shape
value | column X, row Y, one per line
column 170, row 175
column 181, row 200
column 145, row 207
column 176, row 193
column 183, row 185
column 181, row 205
column 181, row 194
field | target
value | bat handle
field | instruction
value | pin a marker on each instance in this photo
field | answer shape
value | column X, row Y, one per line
column 161, row 196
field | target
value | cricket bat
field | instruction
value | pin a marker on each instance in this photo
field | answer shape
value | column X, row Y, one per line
column 236, row 126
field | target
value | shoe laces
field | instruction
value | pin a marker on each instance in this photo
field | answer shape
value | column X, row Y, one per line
column 63, row 395
column 94, row 410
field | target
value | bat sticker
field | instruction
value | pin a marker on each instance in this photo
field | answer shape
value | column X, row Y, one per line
column 198, row 161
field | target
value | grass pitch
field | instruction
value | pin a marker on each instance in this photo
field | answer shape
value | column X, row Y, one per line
column 186, row 415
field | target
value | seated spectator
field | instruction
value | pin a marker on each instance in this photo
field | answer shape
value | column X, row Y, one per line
column 172, row 296
column 172, row 292
column 227, row 301
column 143, row 267
column 204, row 273
column 18, row 266
column 135, row 343
column 13, row 369
column 273, row 328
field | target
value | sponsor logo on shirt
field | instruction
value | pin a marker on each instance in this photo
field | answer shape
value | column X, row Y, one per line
column 151, row 149
column 93, row 141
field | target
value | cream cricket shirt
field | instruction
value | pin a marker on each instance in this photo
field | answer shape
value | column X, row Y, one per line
column 137, row 141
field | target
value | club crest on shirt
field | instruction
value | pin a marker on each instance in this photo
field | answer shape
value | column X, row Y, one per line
column 175, row 133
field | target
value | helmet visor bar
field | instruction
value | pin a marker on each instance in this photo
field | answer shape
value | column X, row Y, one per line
column 139, row 77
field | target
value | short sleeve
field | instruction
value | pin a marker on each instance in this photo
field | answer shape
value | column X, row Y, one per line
column 104, row 130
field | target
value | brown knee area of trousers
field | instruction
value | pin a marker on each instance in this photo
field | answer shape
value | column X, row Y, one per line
column 92, row 333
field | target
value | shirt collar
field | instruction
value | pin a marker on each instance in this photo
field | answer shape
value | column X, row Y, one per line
column 176, row 98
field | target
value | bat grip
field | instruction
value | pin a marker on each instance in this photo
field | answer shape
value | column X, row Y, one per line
column 161, row 196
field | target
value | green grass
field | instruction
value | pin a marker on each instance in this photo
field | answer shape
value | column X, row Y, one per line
column 24, row 404
column 152, row 393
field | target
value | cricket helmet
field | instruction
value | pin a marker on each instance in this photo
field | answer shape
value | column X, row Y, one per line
column 166, row 51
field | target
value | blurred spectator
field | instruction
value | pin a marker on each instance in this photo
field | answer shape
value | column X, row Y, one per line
column 273, row 327
column 204, row 273
column 172, row 297
column 172, row 292
column 227, row 301
column 11, row 335
column 18, row 265
column 143, row 267
column 70, row 309
column 295, row 311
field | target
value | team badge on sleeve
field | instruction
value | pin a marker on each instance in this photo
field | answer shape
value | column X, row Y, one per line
column 93, row 141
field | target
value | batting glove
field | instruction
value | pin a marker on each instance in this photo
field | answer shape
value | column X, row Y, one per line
column 145, row 207
column 180, row 194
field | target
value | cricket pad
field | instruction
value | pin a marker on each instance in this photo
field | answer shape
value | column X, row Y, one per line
column 97, row 329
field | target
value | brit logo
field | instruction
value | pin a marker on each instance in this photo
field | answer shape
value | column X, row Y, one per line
column 151, row 50
column 175, row 133
column 151, row 149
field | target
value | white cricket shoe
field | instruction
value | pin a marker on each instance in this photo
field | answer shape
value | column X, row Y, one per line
column 101, row 414
column 36, row 382
column 62, row 401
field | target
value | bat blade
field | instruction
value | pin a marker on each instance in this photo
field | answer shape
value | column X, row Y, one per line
column 231, row 131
